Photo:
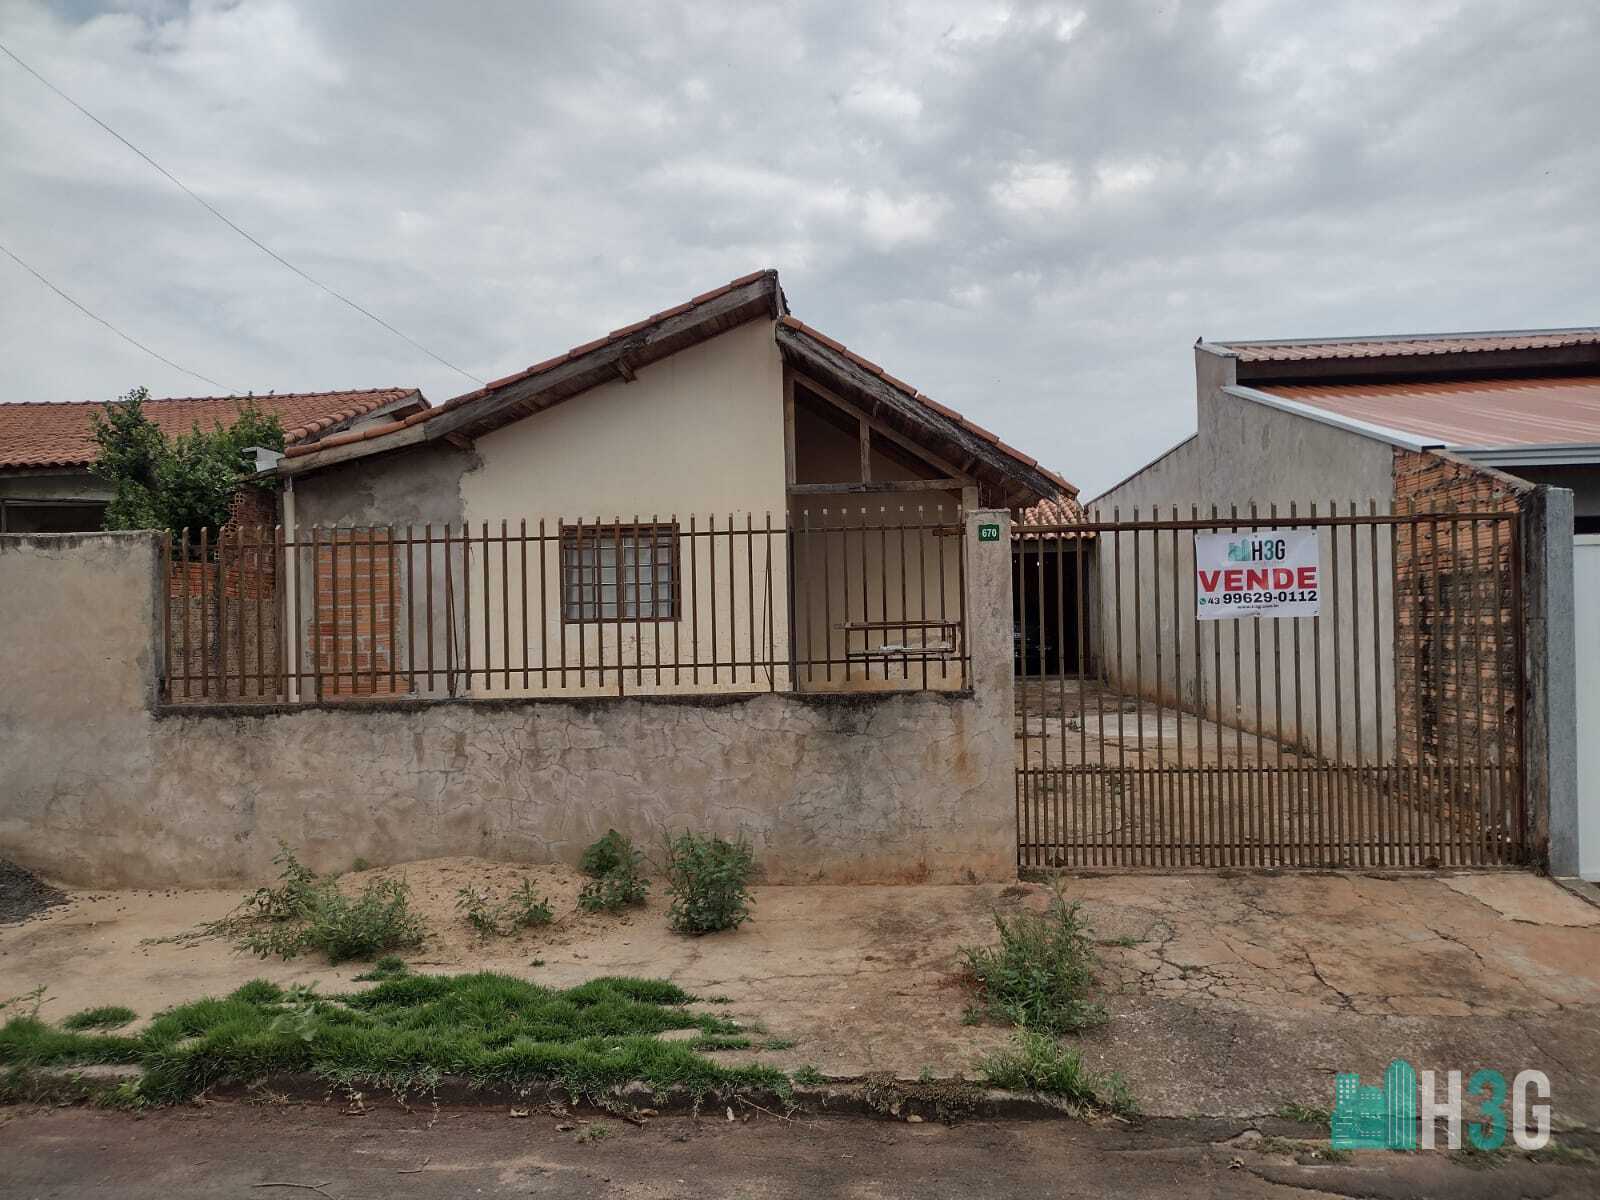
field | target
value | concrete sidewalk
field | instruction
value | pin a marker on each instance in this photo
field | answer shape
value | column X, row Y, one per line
column 1229, row 995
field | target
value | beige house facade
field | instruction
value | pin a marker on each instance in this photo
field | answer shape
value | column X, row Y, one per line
column 715, row 499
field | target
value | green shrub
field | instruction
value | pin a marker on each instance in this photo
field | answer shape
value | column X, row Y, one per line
column 293, row 898
column 616, row 875
column 708, row 879
column 1037, row 1062
column 378, row 919
column 1041, row 973
column 108, row 1016
column 614, row 892
column 527, row 908
column 609, row 853
column 524, row 908
column 473, row 904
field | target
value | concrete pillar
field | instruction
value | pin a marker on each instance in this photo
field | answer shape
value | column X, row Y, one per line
column 1550, row 736
column 988, row 568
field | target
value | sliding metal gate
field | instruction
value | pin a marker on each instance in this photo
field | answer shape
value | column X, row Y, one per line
column 1384, row 731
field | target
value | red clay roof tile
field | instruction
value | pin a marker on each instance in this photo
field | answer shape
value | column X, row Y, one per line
column 46, row 434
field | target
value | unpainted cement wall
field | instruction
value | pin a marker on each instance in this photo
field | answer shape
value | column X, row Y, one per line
column 1247, row 454
column 99, row 787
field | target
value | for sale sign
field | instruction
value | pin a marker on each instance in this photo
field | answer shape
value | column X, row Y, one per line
column 1265, row 573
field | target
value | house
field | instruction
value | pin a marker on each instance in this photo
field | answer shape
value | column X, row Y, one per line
column 46, row 448
column 716, row 497
column 1378, row 429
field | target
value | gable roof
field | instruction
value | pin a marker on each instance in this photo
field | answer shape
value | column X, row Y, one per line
column 43, row 434
column 615, row 356
column 1408, row 345
column 1012, row 478
column 623, row 351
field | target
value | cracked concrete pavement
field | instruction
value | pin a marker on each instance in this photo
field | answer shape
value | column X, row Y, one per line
column 1230, row 994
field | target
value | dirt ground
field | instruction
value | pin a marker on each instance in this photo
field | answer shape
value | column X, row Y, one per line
column 1229, row 994
column 226, row 1150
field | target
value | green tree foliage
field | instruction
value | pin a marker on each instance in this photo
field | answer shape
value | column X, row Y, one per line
column 180, row 482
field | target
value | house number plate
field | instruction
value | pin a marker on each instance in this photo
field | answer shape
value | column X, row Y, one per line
column 988, row 533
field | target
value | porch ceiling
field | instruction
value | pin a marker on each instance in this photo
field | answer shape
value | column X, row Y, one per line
column 1006, row 477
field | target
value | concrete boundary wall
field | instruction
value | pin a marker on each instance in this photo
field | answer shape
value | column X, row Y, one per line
column 99, row 786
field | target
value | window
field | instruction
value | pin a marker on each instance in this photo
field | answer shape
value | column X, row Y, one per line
column 644, row 589
column 51, row 516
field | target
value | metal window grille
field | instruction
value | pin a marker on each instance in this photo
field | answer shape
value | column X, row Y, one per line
column 619, row 573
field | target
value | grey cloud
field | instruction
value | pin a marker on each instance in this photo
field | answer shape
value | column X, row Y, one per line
column 1030, row 212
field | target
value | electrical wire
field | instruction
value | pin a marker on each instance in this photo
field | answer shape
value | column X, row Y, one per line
column 132, row 341
column 205, row 204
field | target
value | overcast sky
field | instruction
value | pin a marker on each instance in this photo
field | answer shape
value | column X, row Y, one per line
column 1028, row 211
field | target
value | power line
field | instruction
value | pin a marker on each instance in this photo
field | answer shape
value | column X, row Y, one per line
column 205, row 204
column 132, row 341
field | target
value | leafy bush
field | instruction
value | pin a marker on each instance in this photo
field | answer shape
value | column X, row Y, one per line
column 108, row 1016
column 1040, row 975
column 1037, row 1062
column 524, row 908
column 708, row 879
column 607, row 854
column 182, row 482
column 614, row 892
column 307, row 912
column 294, row 897
column 378, row 919
column 527, row 908
column 616, row 872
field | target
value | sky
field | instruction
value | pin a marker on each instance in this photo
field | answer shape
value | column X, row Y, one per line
column 1029, row 211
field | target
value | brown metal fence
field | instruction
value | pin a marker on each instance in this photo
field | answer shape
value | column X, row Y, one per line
column 853, row 598
column 1385, row 731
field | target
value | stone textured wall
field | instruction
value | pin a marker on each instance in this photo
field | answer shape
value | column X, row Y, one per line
column 100, row 787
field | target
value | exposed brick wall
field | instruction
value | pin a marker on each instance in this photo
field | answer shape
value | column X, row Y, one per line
column 1455, row 650
column 355, row 593
column 252, row 506
column 222, row 618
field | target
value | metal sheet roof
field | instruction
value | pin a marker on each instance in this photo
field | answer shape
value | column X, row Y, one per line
column 1542, row 411
column 1406, row 345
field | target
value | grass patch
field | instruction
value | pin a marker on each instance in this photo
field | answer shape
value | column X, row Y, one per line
column 1564, row 1155
column 1037, row 1062
column 405, row 1033
column 808, row 1075
column 722, row 1041
column 1303, row 1114
column 778, row 1043
column 1040, row 975
column 390, row 966
column 107, row 1016
column 593, row 1131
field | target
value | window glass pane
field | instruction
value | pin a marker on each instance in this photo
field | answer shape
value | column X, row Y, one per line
column 611, row 574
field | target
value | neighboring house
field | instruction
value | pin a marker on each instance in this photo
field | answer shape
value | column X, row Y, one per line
column 46, row 448
column 1343, row 419
column 1471, row 422
column 638, row 475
